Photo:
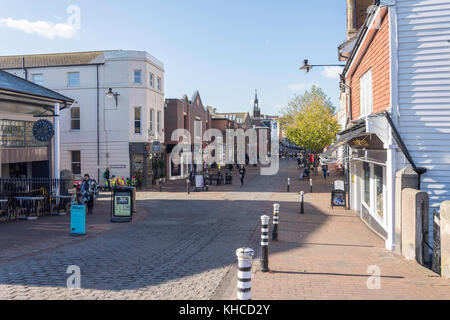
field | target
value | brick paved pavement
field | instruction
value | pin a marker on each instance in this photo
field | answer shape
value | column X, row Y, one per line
column 181, row 249
column 325, row 254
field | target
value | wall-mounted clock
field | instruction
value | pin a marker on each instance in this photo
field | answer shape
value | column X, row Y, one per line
column 43, row 130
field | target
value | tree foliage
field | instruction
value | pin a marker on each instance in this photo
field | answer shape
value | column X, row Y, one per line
column 309, row 120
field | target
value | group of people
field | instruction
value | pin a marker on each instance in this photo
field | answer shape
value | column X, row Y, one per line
column 309, row 162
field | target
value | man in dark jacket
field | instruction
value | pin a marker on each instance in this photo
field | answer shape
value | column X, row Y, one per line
column 242, row 174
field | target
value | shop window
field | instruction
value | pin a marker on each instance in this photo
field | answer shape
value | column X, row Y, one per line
column 366, row 169
column 76, row 162
column 379, row 182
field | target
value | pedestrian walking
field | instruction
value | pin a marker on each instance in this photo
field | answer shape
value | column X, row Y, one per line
column 242, row 174
column 88, row 192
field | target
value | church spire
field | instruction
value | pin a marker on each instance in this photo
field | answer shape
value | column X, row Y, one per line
column 256, row 110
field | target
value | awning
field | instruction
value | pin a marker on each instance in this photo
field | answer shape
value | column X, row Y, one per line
column 344, row 137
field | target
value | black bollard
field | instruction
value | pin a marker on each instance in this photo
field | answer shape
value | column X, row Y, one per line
column 310, row 186
column 288, row 184
column 160, row 184
column 187, row 186
column 265, row 243
column 276, row 211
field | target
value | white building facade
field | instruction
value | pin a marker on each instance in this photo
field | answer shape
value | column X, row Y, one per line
column 117, row 120
column 400, row 65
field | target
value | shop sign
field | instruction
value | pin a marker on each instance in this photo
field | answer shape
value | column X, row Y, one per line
column 156, row 146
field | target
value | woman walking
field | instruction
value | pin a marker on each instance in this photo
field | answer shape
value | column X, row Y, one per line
column 88, row 192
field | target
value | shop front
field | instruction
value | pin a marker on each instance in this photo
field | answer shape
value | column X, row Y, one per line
column 147, row 162
column 368, row 188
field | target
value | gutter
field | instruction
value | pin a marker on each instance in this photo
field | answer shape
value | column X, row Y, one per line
column 419, row 170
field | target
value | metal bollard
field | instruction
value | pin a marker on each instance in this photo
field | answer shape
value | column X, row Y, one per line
column 302, row 207
column 187, row 186
column 310, row 185
column 276, row 212
column 288, row 184
column 265, row 243
column 244, row 284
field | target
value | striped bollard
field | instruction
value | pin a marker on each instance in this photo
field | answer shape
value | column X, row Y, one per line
column 265, row 243
column 244, row 284
column 302, row 201
column 276, row 212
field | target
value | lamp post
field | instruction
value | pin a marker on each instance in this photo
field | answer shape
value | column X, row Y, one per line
column 111, row 94
column 307, row 67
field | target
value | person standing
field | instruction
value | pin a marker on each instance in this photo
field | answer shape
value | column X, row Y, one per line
column 242, row 174
column 88, row 192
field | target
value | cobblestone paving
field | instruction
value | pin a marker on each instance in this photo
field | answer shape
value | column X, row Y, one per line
column 183, row 249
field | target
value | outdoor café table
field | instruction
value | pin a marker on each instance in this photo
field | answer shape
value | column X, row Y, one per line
column 61, row 204
column 31, row 205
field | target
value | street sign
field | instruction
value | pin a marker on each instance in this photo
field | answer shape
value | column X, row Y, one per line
column 78, row 220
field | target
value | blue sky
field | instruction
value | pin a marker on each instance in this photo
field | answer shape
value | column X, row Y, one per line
column 224, row 49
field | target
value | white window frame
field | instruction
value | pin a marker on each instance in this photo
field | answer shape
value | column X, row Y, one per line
column 152, row 122
column 159, row 83
column 152, row 80
column 371, row 207
column 72, row 119
column 40, row 83
column 69, row 84
column 140, row 120
column 158, row 121
column 72, row 162
column 140, row 76
column 366, row 94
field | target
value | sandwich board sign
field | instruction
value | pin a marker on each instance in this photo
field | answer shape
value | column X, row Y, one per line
column 78, row 220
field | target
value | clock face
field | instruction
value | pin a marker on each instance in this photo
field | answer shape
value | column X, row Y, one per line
column 43, row 130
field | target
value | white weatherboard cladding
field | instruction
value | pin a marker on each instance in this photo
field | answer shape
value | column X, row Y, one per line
column 424, row 91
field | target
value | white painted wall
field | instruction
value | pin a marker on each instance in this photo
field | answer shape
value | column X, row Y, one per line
column 424, row 91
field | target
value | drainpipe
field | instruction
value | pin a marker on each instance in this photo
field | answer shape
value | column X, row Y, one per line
column 24, row 69
column 98, row 128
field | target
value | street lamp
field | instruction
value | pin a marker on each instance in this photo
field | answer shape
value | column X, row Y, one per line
column 111, row 94
column 307, row 67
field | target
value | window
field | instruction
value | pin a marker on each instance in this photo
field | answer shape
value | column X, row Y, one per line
column 38, row 79
column 152, row 119
column 366, row 94
column 366, row 168
column 137, row 120
column 76, row 162
column 158, row 122
column 159, row 83
column 74, row 79
column 75, row 118
column 137, row 76
column 152, row 80
column 379, row 181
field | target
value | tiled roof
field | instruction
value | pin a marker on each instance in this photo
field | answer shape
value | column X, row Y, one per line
column 49, row 60
column 13, row 83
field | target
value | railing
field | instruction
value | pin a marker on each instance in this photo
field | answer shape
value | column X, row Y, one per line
column 17, row 187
